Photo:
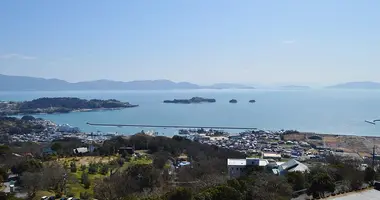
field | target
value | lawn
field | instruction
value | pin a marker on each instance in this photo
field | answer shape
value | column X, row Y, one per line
column 136, row 161
column 86, row 160
column 40, row 194
column 75, row 187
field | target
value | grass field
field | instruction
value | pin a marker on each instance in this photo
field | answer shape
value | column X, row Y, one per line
column 74, row 185
column 135, row 161
column 40, row 194
column 86, row 160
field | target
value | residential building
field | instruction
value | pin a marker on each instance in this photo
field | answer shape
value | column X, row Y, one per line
column 238, row 167
column 291, row 166
column 271, row 155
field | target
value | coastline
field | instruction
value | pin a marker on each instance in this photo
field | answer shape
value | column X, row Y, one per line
column 74, row 111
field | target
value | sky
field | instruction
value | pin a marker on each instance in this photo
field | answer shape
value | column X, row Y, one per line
column 200, row 41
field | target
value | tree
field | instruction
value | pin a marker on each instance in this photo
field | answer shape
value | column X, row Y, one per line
column 4, row 149
column 369, row 175
column 73, row 167
column 3, row 173
column 221, row 192
column 266, row 186
column 104, row 169
column 85, row 180
column 160, row 159
column 321, row 182
column 85, row 195
column 31, row 181
column 54, row 177
column 83, row 168
column 136, row 179
column 297, row 180
column 179, row 193
column 92, row 168
column 56, row 147
column 31, row 165
column 120, row 161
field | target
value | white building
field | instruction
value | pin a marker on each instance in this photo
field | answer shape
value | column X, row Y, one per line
column 67, row 128
column 237, row 167
column 81, row 150
column 271, row 155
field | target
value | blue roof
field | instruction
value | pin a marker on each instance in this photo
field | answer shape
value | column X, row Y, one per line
column 184, row 163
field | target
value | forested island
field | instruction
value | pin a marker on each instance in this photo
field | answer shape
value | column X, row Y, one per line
column 60, row 105
column 190, row 101
column 233, row 101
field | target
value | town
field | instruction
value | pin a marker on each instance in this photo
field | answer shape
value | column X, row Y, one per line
column 49, row 131
column 281, row 154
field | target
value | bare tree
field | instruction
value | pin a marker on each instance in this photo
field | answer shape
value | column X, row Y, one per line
column 54, row 177
column 32, row 182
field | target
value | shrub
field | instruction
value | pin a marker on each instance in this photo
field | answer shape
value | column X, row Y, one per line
column 104, row 169
column 73, row 167
column 85, row 195
column 92, row 168
column 83, row 168
column 70, row 194
column 85, row 180
column 58, row 195
column 120, row 161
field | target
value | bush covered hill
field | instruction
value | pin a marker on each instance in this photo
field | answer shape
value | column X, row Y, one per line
column 13, row 125
column 59, row 105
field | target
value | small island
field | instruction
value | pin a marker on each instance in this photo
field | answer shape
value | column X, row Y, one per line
column 60, row 105
column 190, row 101
column 233, row 101
column 252, row 101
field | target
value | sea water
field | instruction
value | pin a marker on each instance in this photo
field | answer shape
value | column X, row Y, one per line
column 315, row 110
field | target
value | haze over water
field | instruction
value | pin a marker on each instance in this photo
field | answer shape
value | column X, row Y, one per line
column 322, row 110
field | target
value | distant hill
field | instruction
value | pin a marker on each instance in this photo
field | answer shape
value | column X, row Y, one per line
column 357, row 85
column 133, row 85
column 228, row 86
column 23, row 83
column 15, row 83
column 295, row 87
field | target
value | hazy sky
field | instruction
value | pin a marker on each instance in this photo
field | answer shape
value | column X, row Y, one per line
column 202, row 41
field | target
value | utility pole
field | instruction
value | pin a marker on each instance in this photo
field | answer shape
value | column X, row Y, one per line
column 373, row 122
column 373, row 156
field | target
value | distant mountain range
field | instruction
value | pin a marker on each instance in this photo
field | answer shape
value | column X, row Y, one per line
column 357, row 85
column 23, row 83
column 295, row 87
column 228, row 86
